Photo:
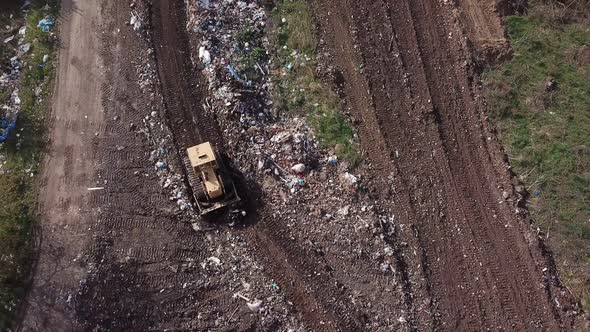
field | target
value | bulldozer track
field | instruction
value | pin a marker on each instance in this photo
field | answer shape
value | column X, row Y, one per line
column 134, row 221
column 188, row 121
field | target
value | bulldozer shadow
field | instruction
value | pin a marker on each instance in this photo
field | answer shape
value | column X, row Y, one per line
column 245, row 213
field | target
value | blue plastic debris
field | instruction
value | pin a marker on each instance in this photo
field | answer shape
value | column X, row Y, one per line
column 6, row 129
column 46, row 24
column 333, row 160
column 161, row 165
column 236, row 76
column 233, row 72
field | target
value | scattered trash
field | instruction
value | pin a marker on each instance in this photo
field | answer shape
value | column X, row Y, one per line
column 505, row 194
column 343, row 211
column 10, row 113
column 237, row 77
column 5, row 129
column 298, row 168
column 46, row 24
column 255, row 306
column 161, row 165
column 26, row 4
column 95, row 188
column 333, row 160
column 135, row 22
column 214, row 260
column 350, row 179
column 24, row 48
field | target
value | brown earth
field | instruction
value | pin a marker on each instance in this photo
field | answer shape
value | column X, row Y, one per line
column 108, row 258
column 483, row 26
column 69, row 169
column 417, row 99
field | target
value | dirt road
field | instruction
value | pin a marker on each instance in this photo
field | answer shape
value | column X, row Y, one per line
column 482, row 266
column 97, row 245
column 69, row 169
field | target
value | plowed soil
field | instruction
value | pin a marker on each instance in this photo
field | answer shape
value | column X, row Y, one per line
column 416, row 99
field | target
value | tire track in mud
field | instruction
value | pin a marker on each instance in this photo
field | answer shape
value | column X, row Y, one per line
column 138, row 243
column 480, row 270
column 180, row 83
column 338, row 32
column 517, row 296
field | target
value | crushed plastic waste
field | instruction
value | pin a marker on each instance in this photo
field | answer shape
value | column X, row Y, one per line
column 46, row 24
column 136, row 22
column 204, row 55
column 10, row 108
column 298, row 168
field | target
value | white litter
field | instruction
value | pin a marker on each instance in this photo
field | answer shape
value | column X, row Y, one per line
column 204, row 55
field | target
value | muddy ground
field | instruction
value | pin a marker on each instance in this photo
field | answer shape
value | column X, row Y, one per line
column 440, row 202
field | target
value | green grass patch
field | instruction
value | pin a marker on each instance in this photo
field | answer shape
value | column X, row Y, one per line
column 540, row 101
column 20, row 157
column 250, row 53
column 298, row 89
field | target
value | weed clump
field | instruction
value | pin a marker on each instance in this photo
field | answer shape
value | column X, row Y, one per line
column 298, row 88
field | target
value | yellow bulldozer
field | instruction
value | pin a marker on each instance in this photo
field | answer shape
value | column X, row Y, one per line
column 212, row 186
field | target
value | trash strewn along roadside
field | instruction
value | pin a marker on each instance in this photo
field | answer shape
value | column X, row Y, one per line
column 27, row 67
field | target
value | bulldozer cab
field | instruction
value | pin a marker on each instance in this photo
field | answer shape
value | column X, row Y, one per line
column 202, row 155
column 204, row 163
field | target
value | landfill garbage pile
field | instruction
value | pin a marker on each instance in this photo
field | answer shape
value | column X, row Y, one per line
column 228, row 265
column 233, row 56
column 319, row 198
